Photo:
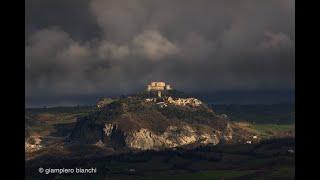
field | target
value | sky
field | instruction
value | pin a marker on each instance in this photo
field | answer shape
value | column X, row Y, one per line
column 78, row 50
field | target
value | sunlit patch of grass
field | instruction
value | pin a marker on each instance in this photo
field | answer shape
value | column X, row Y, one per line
column 43, row 123
column 268, row 130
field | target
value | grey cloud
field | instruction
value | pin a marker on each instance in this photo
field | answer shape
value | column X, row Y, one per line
column 154, row 46
column 114, row 47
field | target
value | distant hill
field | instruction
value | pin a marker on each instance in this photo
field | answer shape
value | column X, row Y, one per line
column 259, row 113
column 248, row 97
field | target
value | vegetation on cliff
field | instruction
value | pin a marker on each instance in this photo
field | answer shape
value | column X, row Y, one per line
column 129, row 115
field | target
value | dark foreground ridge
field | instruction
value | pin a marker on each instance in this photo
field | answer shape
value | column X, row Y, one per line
column 269, row 159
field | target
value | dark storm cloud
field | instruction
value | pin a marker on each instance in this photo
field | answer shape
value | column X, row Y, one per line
column 96, row 47
column 72, row 15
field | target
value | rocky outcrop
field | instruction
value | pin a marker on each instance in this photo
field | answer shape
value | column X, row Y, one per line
column 33, row 143
column 185, row 102
column 192, row 102
column 227, row 135
column 174, row 136
column 108, row 128
column 139, row 123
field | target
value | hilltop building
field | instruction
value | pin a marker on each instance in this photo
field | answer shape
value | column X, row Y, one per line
column 158, row 86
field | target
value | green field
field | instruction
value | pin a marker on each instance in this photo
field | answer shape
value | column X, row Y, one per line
column 47, row 121
column 265, row 128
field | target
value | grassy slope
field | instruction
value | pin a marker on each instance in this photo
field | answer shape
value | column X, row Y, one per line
column 269, row 129
column 267, row 121
column 42, row 121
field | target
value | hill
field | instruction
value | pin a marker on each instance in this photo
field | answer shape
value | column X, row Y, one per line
column 144, row 121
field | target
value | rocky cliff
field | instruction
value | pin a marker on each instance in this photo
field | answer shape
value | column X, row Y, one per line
column 152, row 123
column 33, row 143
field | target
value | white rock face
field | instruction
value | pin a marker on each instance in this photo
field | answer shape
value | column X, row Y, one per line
column 178, row 102
column 228, row 133
column 185, row 101
column 209, row 138
column 108, row 128
column 173, row 136
column 145, row 139
column 33, row 144
column 150, row 100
